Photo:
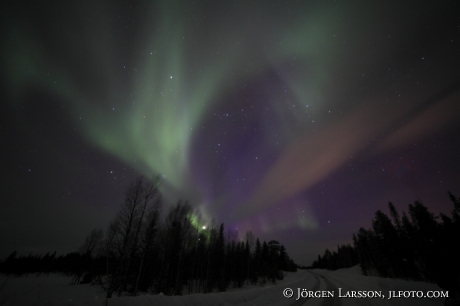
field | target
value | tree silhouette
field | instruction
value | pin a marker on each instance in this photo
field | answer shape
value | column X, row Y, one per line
column 142, row 253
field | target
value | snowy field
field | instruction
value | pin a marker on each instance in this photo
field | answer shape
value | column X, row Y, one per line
column 352, row 279
column 56, row 290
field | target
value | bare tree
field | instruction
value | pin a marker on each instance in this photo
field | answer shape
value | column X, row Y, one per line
column 92, row 242
column 148, row 241
column 178, row 236
column 125, row 230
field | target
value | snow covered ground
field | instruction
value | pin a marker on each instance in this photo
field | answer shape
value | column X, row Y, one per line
column 56, row 290
column 352, row 280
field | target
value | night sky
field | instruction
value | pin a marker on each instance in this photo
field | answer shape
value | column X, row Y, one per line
column 297, row 120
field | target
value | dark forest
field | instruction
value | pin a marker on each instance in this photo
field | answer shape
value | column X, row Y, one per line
column 415, row 246
column 139, row 252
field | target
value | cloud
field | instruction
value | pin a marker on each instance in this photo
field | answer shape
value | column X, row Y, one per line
column 313, row 156
column 425, row 123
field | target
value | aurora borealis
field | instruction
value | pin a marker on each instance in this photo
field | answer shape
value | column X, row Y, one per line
column 294, row 119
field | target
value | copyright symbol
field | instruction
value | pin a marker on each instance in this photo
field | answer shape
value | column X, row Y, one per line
column 288, row 293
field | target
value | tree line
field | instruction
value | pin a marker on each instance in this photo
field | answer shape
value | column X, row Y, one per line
column 416, row 246
column 141, row 251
